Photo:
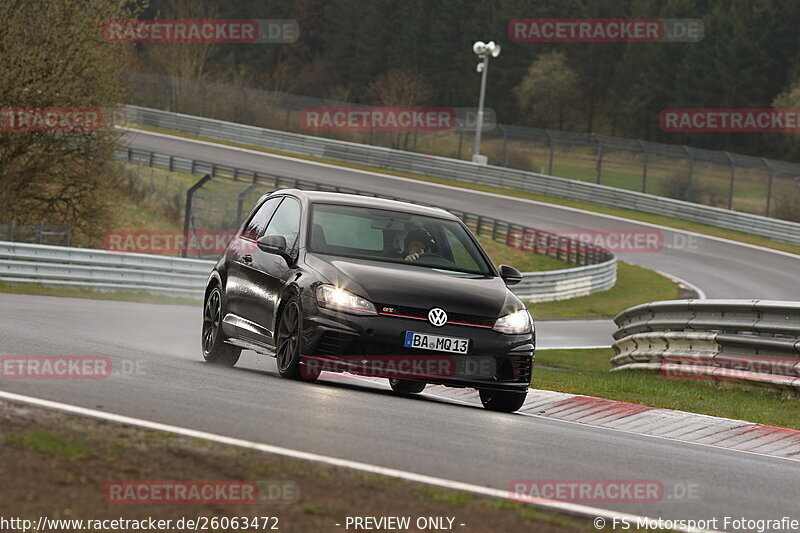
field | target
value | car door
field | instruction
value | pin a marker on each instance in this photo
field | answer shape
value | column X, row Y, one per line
column 239, row 255
column 264, row 276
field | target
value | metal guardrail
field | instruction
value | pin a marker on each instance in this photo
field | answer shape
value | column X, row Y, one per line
column 172, row 276
column 755, row 341
column 711, row 177
column 780, row 230
column 99, row 269
column 598, row 270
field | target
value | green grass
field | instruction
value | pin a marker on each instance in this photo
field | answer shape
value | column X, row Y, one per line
column 586, row 372
column 635, row 285
column 515, row 193
column 51, row 444
column 78, row 292
column 519, row 259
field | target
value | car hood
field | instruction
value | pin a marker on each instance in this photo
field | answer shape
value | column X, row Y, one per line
column 396, row 284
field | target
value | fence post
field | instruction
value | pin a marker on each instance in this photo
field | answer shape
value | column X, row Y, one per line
column 39, row 230
column 551, row 144
column 691, row 166
column 11, row 231
column 644, row 171
column 187, row 217
column 460, row 142
column 599, row 166
column 240, row 200
column 733, row 179
column 505, row 144
column 769, row 185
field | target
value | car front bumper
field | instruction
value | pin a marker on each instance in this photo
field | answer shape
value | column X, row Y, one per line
column 368, row 344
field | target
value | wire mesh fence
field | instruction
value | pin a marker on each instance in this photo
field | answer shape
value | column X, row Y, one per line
column 38, row 233
column 225, row 195
column 721, row 179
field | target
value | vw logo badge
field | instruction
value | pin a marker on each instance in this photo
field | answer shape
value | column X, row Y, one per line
column 437, row 317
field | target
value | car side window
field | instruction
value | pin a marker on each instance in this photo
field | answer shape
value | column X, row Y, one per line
column 258, row 222
column 286, row 222
column 459, row 252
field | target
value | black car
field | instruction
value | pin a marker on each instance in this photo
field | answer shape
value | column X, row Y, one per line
column 339, row 282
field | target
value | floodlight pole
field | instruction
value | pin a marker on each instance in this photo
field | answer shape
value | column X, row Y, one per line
column 479, row 126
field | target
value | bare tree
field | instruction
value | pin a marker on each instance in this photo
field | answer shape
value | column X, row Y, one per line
column 404, row 87
column 184, row 63
column 63, row 176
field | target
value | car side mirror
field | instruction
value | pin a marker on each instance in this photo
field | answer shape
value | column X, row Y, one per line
column 274, row 244
column 510, row 275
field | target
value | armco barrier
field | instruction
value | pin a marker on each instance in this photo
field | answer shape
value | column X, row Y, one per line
column 756, row 341
column 780, row 230
column 171, row 276
column 597, row 271
column 99, row 269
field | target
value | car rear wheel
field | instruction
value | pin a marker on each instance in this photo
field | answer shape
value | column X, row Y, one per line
column 404, row 386
column 504, row 401
column 215, row 349
column 287, row 344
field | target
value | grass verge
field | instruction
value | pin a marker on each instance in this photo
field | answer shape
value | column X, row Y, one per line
column 586, row 372
column 79, row 292
column 523, row 261
column 635, row 285
column 44, row 475
column 515, row 193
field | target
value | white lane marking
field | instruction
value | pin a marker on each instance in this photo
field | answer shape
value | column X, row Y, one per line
column 701, row 294
column 577, row 509
column 473, row 191
column 541, row 348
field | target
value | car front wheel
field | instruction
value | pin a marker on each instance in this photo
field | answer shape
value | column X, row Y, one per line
column 503, row 401
column 287, row 344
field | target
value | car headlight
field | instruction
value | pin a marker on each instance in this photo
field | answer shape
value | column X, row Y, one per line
column 516, row 323
column 342, row 300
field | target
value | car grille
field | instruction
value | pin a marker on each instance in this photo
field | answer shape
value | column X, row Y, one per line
column 422, row 314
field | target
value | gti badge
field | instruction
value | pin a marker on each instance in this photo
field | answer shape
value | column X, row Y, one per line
column 437, row 317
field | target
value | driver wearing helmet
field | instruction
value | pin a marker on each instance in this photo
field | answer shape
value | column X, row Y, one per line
column 417, row 242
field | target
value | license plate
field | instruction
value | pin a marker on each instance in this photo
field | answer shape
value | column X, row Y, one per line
column 425, row 341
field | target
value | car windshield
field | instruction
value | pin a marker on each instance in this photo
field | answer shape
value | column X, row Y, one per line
column 395, row 237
